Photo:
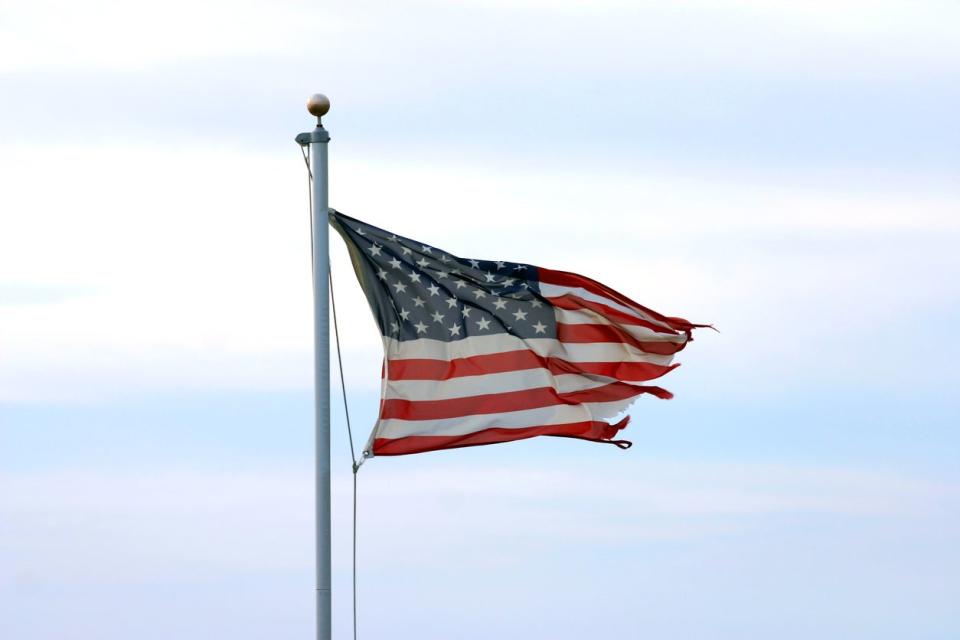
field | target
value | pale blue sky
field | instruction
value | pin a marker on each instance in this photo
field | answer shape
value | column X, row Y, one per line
column 784, row 170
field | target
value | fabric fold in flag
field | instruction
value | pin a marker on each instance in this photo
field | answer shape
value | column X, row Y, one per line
column 485, row 351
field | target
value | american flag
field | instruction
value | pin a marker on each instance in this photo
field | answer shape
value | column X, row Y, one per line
column 485, row 351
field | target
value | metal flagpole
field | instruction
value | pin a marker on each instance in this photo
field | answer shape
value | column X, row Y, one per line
column 317, row 140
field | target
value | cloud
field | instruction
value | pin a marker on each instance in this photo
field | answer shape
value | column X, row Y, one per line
column 128, row 523
column 193, row 283
column 104, row 34
column 781, row 169
column 644, row 86
column 12, row 293
column 111, row 33
column 202, row 551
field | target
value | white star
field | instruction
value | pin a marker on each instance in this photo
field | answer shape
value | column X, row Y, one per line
column 421, row 328
column 509, row 281
column 437, row 316
column 483, row 324
column 536, row 304
column 442, row 274
column 395, row 263
column 406, row 250
column 540, row 327
column 461, row 284
column 394, row 327
column 393, row 238
column 520, row 267
column 454, row 330
column 478, row 293
column 414, row 277
column 490, row 277
column 444, row 259
column 360, row 231
column 404, row 314
column 400, row 287
column 426, row 249
column 382, row 274
column 417, row 302
column 375, row 249
column 520, row 314
column 500, row 265
column 499, row 303
column 474, row 263
column 423, row 262
column 525, row 285
column 451, row 302
column 434, row 290
column 466, row 312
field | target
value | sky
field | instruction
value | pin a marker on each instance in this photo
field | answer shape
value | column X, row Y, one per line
column 785, row 171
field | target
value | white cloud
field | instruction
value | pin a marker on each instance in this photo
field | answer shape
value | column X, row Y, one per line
column 192, row 267
column 158, row 265
column 692, row 34
column 96, row 553
column 117, row 34
column 124, row 524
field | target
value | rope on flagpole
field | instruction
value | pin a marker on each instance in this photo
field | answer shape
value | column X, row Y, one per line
column 355, row 466
column 305, row 150
column 343, row 387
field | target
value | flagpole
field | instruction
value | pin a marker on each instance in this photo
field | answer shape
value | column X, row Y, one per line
column 318, row 105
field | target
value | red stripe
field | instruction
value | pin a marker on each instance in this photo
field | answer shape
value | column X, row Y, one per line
column 509, row 401
column 596, row 431
column 567, row 279
column 585, row 333
column 573, row 302
column 627, row 371
column 429, row 369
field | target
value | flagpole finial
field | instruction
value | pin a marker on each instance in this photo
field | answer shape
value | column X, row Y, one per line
column 318, row 105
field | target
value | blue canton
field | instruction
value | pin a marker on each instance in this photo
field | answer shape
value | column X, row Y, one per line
column 419, row 291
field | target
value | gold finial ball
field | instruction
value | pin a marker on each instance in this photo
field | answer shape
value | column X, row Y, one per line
column 318, row 104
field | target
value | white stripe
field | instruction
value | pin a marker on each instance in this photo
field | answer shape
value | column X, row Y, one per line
column 586, row 316
column 558, row 414
column 426, row 348
column 491, row 383
column 468, row 347
column 557, row 291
